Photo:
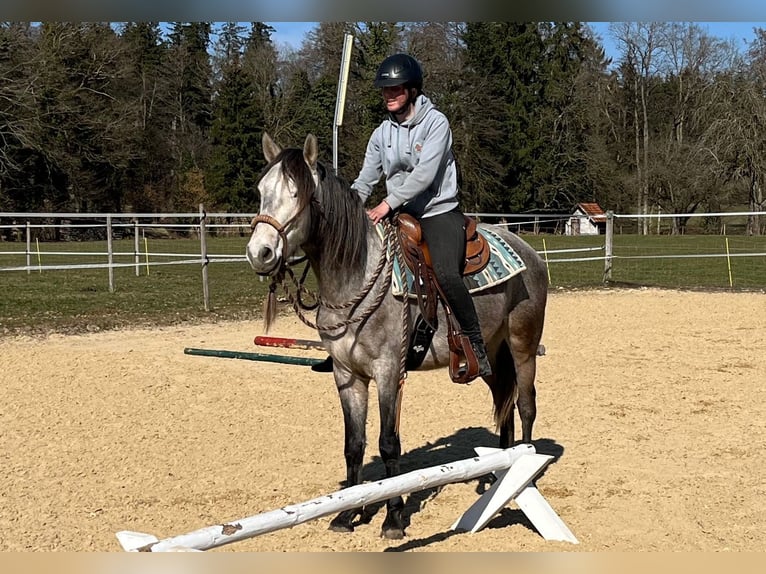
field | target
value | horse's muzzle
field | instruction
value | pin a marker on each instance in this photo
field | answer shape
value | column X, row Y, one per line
column 263, row 259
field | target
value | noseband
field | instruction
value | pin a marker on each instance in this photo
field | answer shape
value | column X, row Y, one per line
column 278, row 227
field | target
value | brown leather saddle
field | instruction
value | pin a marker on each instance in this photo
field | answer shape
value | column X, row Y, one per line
column 429, row 294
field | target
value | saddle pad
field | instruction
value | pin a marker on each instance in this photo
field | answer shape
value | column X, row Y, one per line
column 503, row 264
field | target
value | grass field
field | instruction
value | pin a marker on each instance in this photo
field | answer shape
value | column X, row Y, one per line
column 79, row 299
column 688, row 261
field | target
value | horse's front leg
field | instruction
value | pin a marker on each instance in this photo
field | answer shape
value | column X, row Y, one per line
column 353, row 394
column 390, row 451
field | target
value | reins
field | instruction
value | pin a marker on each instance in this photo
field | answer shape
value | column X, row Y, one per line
column 285, row 278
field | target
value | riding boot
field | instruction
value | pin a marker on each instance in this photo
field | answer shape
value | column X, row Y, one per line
column 323, row 367
column 480, row 350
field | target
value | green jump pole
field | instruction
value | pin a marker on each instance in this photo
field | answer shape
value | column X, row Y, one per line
column 252, row 356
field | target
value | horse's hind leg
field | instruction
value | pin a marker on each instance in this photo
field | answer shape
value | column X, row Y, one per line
column 512, row 387
column 524, row 339
column 353, row 399
column 526, row 369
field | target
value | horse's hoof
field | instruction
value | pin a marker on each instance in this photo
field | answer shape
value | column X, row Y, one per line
column 344, row 521
column 341, row 527
column 392, row 533
column 393, row 526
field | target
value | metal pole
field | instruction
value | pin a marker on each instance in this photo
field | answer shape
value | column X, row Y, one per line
column 341, row 98
column 110, row 252
column 136, row 253
column 29, row 248
column 203, row 252
column 608, row 246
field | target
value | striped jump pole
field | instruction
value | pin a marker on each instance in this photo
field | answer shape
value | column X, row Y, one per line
column 265, row 357
column 514, row 467
column 287, row 342
column 263, row 341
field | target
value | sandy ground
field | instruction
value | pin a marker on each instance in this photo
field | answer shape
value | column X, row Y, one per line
column 653, row 403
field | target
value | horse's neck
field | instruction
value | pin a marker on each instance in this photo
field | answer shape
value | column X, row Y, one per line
column 342, row 285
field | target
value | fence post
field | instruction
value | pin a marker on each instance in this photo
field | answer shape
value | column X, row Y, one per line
column 110, row 252
column 203, row 252
column 136, row 252
column 608, row 246
column 29, row 248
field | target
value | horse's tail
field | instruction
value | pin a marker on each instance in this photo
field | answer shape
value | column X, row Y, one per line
column 505, row 392
column 505, row 407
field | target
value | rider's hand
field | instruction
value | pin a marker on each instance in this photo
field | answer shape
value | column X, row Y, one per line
column 379, row 212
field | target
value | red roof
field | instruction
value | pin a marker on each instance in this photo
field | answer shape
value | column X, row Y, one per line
column 593, row 211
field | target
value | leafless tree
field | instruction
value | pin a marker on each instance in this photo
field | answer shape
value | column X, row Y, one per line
column 736, row 140
column 640, row 44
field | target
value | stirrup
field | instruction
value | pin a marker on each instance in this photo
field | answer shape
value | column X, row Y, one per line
column 473, row 366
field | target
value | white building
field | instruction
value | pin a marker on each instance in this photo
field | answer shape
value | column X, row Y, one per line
column 587, row 219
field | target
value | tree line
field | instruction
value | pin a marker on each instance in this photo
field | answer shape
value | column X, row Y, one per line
column 160, row 117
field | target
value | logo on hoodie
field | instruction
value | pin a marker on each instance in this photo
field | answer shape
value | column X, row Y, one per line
column 419, row 147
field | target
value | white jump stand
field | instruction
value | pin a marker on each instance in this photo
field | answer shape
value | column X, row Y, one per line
column 515, row 483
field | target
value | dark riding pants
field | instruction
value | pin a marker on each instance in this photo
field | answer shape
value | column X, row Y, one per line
column 445, row 236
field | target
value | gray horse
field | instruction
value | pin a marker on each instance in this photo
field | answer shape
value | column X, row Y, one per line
column 365, row 327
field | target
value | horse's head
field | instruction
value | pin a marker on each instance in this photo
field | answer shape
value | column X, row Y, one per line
column 286, row 189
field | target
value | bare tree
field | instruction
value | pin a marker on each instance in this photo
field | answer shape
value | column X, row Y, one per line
column 641, row 46
column 19, row 120
column 735, row 140
column 682, row 177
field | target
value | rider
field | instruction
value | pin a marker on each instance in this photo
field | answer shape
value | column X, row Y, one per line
column 412, row 148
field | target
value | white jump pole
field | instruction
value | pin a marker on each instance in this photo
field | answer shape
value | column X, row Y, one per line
column 347, row 499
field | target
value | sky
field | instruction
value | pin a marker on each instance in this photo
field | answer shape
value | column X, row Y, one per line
column 740, row 32
column 291, row 34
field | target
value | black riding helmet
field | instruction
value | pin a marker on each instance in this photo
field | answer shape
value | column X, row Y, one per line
column 397, row 70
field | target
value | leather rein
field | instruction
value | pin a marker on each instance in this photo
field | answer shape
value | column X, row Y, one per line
column 285, row 273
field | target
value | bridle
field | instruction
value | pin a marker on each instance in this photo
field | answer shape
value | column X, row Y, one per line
column 280, row 229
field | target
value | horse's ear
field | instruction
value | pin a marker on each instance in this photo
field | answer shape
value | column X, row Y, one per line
column 270, row 149
column 311, row 151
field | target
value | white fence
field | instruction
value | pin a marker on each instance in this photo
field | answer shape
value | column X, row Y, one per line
column 602, row 255
column 137, row 225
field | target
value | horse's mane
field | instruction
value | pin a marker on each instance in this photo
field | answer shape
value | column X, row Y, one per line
column 339, row 220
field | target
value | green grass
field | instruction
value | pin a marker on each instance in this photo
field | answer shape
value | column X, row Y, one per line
column 689, row 261
column 79, row 300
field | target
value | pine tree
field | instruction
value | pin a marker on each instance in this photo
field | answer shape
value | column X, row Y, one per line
column 190, row 75
column 234, row 166
column 149, row 177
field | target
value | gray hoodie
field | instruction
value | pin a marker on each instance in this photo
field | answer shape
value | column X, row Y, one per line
column 417, row 161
